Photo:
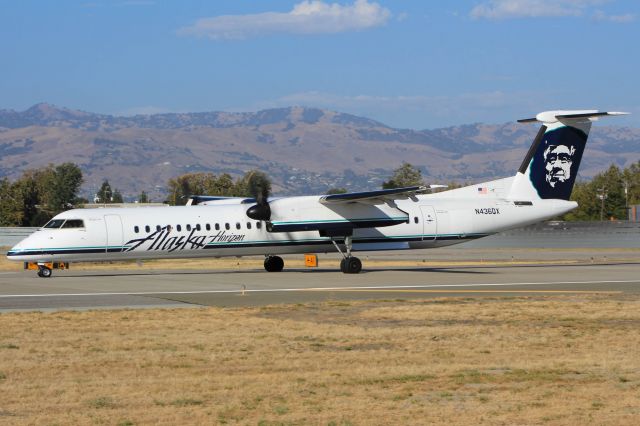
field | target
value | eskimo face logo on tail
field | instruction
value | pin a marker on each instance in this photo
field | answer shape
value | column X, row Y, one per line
column 555, row 163
column 558, row 160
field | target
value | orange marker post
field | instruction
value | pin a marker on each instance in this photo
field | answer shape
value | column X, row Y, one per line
column 311, row 260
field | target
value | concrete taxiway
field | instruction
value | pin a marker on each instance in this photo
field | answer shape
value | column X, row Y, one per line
column 183, row 288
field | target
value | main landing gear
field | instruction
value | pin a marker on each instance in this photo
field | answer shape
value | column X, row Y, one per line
column 273, row 263
column 349, row 264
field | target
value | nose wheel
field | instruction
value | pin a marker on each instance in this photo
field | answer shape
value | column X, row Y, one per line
column 44, row 272
column 273, row 264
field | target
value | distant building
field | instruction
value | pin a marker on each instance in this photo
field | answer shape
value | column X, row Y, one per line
column 634, row 213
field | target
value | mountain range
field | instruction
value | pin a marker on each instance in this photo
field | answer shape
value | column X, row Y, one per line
column 303, row 150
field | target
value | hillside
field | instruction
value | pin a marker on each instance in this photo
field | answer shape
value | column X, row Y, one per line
column 304, row 150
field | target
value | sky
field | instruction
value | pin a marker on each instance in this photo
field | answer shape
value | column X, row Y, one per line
column 409, row 64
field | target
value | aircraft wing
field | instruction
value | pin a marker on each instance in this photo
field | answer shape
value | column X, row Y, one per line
column 374, row 197
column 208, row 199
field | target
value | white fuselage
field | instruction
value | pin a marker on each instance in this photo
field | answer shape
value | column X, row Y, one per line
column 223, row 229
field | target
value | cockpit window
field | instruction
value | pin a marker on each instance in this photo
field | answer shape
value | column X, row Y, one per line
column 54, row 224
column 73, row 223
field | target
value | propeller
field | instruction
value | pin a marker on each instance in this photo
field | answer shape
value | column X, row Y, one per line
column 259, row 186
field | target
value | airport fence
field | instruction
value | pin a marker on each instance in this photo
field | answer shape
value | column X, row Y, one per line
column 10, row 236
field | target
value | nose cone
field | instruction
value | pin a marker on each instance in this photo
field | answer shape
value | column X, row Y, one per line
column 20, row 251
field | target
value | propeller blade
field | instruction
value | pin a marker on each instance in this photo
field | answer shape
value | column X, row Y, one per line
column 260, row 187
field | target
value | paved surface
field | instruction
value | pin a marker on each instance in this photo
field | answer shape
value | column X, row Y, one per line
column 100, row 289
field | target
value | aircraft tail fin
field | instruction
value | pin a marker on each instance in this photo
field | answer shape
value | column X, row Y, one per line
column 549, row 169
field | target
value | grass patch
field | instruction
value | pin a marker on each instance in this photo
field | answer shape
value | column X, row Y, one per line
column 495, row 361
column 9, row 346
column 102, row 402
column 186, row 402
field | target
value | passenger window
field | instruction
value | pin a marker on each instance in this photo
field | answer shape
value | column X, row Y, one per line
column 248, row 225
column 238, row 226
column 179, row 228
column 197, row 227
column 54, row 224
column 147, row 229
column 217, row 226
column 258, row 225
column 136, row 229
column 188, row 227
column 158, row 228
column 73, row 223
column 208, row 227
column 415, row 219
column 226, row 226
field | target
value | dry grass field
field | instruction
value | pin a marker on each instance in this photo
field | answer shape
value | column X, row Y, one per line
column 538, row 360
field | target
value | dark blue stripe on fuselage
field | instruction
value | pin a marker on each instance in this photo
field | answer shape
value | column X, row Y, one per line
column 48, row 252
column 62, row 251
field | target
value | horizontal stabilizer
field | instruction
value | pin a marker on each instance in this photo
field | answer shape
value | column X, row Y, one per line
column 555, row 116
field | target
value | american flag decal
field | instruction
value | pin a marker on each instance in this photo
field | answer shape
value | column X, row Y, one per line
column 482, row 190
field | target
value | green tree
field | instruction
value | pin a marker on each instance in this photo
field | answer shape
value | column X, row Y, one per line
column 117, row 196
column 405, row 175
column 30, row 188
column 336, row 191
column 105, row 193
column 10, row 204
column 143, row 197
column 253, row 183
column 40, row 194
column 588, row 195
column 64, row 182
column 182, row 187
column 631, row 179
column 222, row 185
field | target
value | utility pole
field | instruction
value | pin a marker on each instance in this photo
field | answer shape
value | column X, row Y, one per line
column 626, row 198
column 602, row 194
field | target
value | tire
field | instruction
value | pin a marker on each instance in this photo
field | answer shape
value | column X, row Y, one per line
column 353, row 265
column 44, row 272
column 343, row 267
column 273, row 264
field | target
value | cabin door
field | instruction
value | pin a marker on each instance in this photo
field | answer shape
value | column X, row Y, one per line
column 429, row 227
column 115, row 234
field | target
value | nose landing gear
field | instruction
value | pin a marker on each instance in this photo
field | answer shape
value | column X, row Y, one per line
column 44, row 272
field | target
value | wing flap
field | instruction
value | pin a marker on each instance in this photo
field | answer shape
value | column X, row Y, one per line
column 374, row 197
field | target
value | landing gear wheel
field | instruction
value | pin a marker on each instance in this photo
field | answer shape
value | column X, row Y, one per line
column 273, row 264
column 351, row 265
column 44, row 272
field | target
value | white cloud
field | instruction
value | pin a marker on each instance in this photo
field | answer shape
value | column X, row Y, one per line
column 307, row 17
column 618, row 19
column 507, row 9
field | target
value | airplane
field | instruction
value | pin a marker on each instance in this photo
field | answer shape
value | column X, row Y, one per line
column 393, row 219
